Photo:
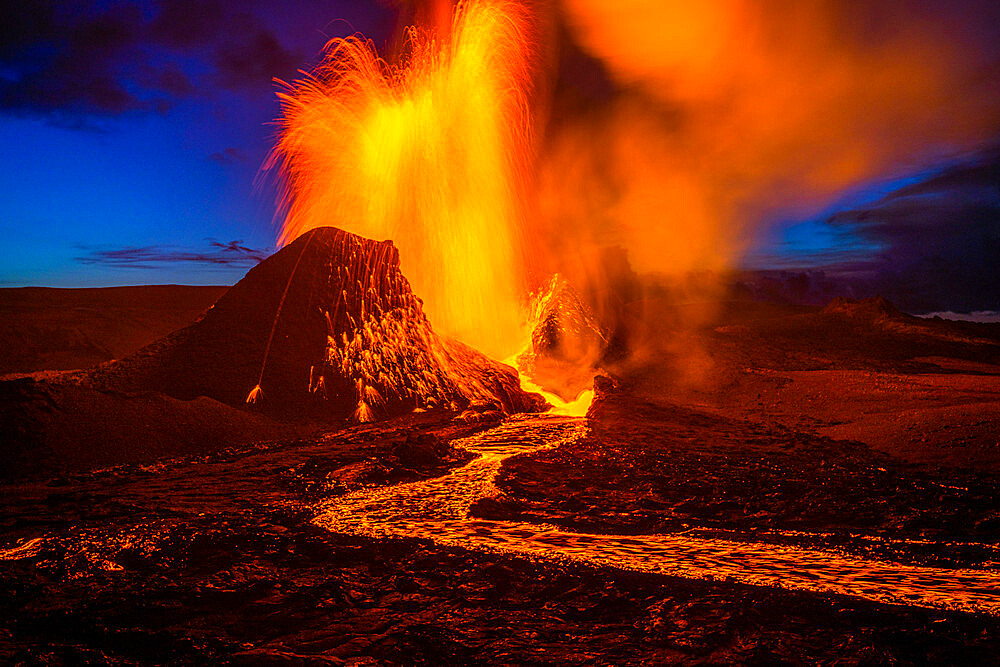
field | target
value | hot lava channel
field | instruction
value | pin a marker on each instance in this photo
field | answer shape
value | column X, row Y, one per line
column 438, row 510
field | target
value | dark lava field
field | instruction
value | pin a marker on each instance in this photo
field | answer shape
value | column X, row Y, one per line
column 846, row 437
column 215, row 559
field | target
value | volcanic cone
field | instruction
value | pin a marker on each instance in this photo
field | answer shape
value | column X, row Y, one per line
column 326, row 327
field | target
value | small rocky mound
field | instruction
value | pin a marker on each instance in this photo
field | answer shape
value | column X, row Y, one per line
column 566, row 343
column 327, row 327
column 872, row 309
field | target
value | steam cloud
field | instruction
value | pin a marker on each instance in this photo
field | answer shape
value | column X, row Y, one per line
column 720, row 115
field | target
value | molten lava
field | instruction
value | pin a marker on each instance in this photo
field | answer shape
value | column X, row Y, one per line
column 428, row 153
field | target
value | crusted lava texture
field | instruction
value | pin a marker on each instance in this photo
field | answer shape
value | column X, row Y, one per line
column 326, row 327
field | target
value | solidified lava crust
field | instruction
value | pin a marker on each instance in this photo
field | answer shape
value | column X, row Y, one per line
column 215, row 558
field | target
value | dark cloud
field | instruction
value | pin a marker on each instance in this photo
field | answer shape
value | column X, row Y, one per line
column 229, row 156
column 938, row 247
column 233, row 253
column 185, row 23
column 172, row 80
column 940, row 239
column 981, row 174
column 254, row 59
column 81, row 67
column 66, row 58
column 23, row 26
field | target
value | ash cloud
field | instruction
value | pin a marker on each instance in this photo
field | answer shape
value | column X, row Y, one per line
column 679, row 130
column 233, row 254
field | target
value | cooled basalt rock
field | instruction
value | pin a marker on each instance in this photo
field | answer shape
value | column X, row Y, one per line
column 326, row 327
column 871, row 309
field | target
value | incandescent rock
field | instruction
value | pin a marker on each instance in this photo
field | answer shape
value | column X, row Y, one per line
column 566, row 343
column 326, row 327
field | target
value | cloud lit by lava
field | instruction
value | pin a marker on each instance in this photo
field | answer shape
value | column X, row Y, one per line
column 711, row 119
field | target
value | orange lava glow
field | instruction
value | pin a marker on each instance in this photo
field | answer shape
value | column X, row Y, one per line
column 720, row 116
column 438, row 510
column 428, row 153
column 728, row 113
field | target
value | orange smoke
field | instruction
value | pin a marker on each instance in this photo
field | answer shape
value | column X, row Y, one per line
column 428, row 153
column 729, row 112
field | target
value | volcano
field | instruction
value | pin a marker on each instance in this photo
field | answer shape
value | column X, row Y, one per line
column 327, row 327
column 829, row 470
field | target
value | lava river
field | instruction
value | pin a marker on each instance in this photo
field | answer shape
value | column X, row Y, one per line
column 438, row 510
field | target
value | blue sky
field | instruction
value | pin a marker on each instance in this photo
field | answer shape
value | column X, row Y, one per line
column 163, row 147
column 70, row 191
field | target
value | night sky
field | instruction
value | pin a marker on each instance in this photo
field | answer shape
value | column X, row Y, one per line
column 133, row 133
column 133, row 136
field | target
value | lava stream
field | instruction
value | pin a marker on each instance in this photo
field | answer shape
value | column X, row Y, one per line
column 438, row 510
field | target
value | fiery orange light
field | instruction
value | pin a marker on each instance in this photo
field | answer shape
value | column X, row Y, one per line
column 428, row 153
column 719, row 115
column 728, row 109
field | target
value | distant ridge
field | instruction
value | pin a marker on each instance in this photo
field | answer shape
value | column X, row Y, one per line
column 875, row 307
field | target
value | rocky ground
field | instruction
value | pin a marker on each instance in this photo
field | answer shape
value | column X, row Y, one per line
column 215, row 559
column 61, row 329
column 854, row 429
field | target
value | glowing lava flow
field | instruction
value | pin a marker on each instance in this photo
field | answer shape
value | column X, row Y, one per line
column 438, row 510
column 429, row 153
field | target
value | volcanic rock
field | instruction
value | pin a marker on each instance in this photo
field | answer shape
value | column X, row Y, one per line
column 420, row 449
column 326, row 327
column 871, row 309
column 566, row 343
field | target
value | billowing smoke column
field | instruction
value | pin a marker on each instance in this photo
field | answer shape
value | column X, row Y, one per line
column 429, row 153
column 721, row 115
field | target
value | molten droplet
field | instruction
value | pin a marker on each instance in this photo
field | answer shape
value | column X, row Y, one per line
column 255, row 394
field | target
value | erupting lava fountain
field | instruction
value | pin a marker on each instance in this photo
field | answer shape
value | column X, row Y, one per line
column 430, row 153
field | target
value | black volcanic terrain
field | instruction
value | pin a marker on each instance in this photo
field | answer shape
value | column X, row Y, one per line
column 44, row 328
column 824, row 438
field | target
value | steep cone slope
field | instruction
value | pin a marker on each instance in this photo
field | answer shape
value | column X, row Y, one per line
column 327, row 326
